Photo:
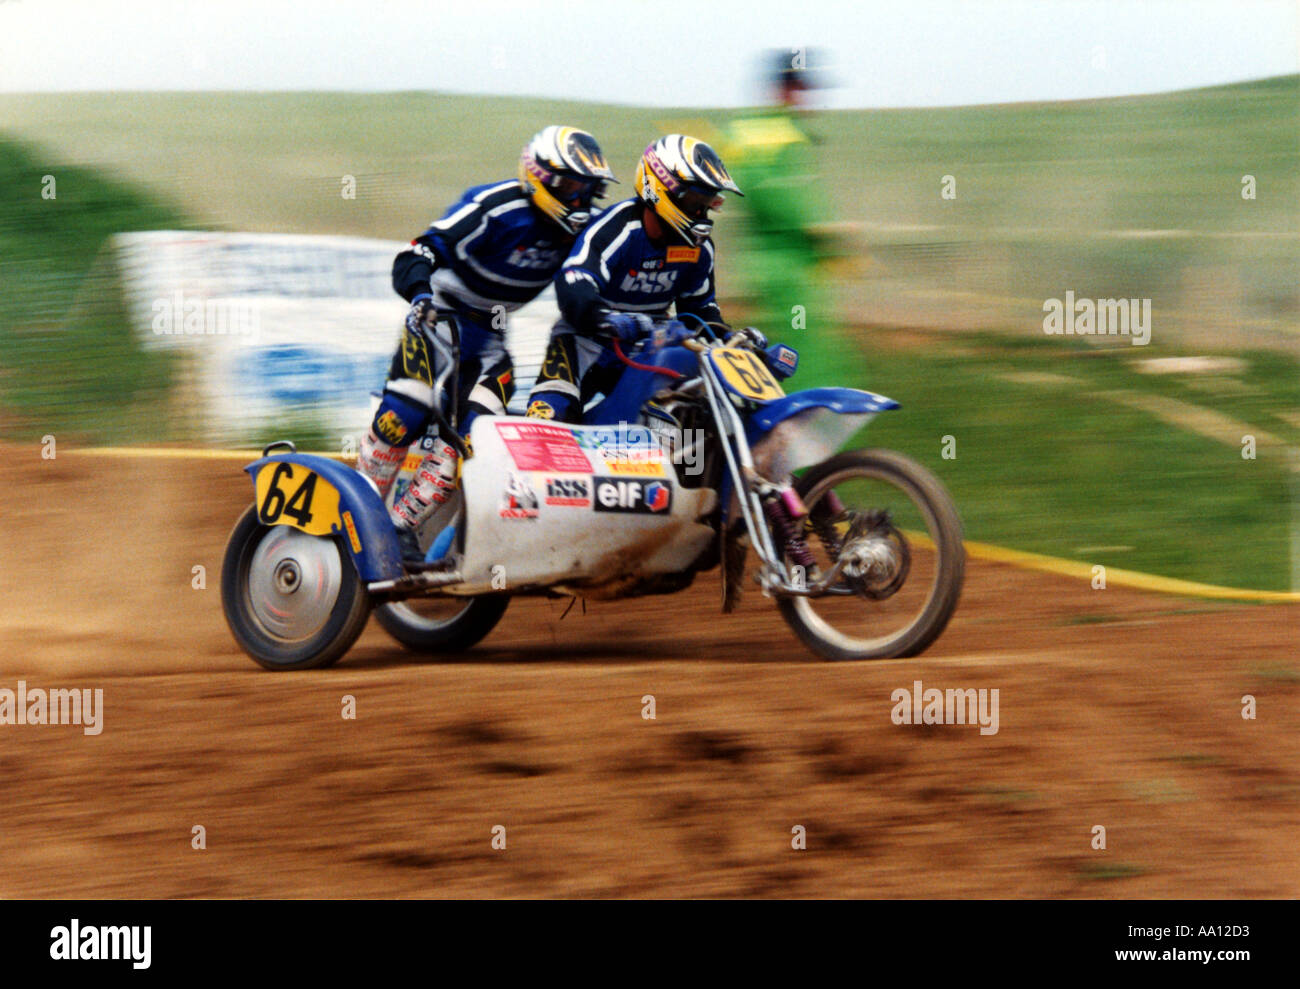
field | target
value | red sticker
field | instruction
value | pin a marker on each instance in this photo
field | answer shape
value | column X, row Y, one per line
column 537, row 446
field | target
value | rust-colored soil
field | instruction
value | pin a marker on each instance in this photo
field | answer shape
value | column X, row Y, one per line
column 1117, row 709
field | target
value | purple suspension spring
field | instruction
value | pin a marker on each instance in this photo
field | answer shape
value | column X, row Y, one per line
column 787, row 532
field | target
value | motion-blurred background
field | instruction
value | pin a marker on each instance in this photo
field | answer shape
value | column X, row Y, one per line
column 974, row 160
column 1119, row 150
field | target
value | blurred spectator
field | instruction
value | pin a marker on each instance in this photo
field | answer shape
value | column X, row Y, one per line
column 773, row 158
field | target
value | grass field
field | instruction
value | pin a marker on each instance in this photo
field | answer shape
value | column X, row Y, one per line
column 1062, row 447
column 1050, row 458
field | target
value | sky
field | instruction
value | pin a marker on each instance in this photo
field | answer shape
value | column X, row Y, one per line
column 651, row 52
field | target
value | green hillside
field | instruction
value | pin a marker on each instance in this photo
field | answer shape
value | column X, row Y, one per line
column 1049, row 196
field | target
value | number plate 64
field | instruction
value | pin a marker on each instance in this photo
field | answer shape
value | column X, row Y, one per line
column 744, row 373
column 290, row 494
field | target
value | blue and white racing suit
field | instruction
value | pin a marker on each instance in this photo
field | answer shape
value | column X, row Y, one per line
column 491, row 253
column 614, row 267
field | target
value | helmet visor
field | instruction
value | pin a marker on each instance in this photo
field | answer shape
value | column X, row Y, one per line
column 696, row 201
column 574, row 191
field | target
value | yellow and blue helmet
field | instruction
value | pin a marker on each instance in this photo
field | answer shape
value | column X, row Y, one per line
column 562, row 169
column 681, row 178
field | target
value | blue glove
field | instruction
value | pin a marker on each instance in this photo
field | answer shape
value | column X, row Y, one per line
column 423, row 314
column 674, row 332
column 629, row 327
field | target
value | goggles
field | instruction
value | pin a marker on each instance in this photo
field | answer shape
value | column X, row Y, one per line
column 696, row 201
column 575, row 191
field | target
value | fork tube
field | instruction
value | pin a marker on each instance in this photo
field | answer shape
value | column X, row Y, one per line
column 750, row 506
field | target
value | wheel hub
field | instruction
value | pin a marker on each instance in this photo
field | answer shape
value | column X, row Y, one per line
column 876, row 565
column 293, row 582
column 288, row 576
column 870, row 558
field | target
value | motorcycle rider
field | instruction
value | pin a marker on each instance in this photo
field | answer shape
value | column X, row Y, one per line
column 640, row 257
column 494, row 250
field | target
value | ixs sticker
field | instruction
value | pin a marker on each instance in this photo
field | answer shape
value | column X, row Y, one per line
column 648, row 281
column 518, row 500
column 569, row 492
column 615, row 494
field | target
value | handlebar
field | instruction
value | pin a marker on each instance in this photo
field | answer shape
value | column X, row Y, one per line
column 669, row 372
column 692, row 343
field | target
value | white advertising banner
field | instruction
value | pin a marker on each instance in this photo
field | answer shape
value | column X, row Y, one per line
column 284, row 329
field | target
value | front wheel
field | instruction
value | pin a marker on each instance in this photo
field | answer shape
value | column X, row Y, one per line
column 293, row 601
column 895, row 529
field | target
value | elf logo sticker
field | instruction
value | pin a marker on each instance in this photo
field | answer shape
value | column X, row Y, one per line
column 642, row 497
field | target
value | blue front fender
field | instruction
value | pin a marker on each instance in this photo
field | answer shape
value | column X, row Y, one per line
column 844, row 401
column 379, row 558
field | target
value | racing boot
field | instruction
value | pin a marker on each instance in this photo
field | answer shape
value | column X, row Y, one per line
column 380, row 461
column 431, row 488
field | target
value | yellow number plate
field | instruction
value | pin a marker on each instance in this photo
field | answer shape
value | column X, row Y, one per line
column 290, row 494
column 744, row 373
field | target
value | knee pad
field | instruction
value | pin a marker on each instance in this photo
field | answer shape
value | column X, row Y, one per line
column 549, row 404
column 399, row 420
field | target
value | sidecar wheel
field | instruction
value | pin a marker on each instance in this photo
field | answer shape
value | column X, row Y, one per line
column 293, row 601
column 446, row 625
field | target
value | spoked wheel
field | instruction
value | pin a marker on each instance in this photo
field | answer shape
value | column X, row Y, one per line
column 442, row 624
column 896, row 530
column 293, row 601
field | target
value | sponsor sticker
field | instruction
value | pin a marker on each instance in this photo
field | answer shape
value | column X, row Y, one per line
column 390, row 427
column 686, row 254
column 623, row 449
column 613, row 494
column 636, row 468
column 569, row 492
column 352, row 532
column 518, row 500
column 543, row 447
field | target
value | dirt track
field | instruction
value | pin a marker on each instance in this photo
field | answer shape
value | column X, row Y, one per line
column 1117, row 708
